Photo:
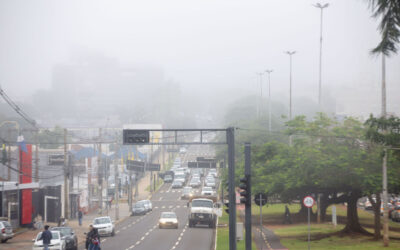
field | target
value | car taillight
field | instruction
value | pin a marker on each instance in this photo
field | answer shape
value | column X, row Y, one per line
column 3, row 230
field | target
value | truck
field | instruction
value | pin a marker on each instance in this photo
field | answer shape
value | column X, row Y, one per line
column 202, row 211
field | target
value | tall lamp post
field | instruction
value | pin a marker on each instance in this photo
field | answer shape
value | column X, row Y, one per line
column 290, row 53
column 261, row 91
column 321, row 7
column 269, row 71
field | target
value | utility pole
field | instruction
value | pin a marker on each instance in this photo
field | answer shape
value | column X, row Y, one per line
column 247, row 174
column 9, row 157
column 269, row 100
column 116, row 181
column 100, row 171
column 130, row 189
column 66, row 176
column 230, row 138
column 36, row 156
column 321, row 7
column 384, row 163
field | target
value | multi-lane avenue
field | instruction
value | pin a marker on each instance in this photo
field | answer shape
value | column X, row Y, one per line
column 142, row 232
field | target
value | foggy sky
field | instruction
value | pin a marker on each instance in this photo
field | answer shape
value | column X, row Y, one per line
column 206, row 45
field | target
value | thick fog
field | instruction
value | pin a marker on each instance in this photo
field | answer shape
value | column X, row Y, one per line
column 137, row 56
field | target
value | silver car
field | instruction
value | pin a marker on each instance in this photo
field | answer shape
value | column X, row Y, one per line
column 6, row 231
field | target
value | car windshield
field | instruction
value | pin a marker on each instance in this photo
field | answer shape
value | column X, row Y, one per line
column 168, row 215
column 207, row 189
column 202, row 203
column 139, row 205
column 53, row 234
column 64, row 231
column 101, row 221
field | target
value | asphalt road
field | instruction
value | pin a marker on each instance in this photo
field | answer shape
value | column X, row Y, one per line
column 142, row 232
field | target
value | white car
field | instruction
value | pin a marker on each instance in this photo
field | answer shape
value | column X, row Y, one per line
column 56, row 242
column 104, row 226
column 168, row 219
column 207, row 191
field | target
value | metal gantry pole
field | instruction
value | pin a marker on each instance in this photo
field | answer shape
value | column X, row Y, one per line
column 66, row 176
column 247, row 173
column 230, row 138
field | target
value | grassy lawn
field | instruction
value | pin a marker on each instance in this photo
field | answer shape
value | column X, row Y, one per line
column 324, row 235
column 223, row 235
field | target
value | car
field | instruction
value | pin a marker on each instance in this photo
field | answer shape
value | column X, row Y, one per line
column 182, row 150
column 168, row 220
column 139, row 209
column 177, row 184
column 194, row 183
column 168, row 178
column 213, row 172
column 104, row 226
column 187, row 192
column 6, row 231
column 148, row 205
column 68, row 235
column 210, row 183
column 207, row 191
column 56, row 243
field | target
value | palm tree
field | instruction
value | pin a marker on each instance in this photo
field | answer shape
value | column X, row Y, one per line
column 388, row 11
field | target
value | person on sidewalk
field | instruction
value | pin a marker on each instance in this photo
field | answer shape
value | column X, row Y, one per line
column 80, row 215
column 287, row 216
column 92, row 239
column 46, row 237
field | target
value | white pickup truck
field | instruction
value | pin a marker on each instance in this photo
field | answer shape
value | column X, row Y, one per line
column 202, row 211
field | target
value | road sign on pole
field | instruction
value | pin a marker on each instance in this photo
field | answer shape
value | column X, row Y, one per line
column 137, row 166
column 308, row 202
column 153, row 167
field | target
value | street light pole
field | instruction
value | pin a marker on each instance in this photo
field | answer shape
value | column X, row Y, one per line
column 321, row 7
column 290, row 53
column 269, row 99
column 261, row 94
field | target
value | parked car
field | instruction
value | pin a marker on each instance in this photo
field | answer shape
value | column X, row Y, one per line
column 187, row 192
column 177, row 184
column 139, row 209
column 6, row 231
column 104, row 226
column 68, row 235
column 168, row 219
column 168, row 178
column 56, row 242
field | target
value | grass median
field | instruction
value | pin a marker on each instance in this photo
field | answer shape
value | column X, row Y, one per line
column 323, row 235
column 223, row 234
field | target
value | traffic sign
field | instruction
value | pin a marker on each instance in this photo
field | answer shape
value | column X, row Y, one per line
column 134, row 136
column 153, row 167
column 200, row 164
column 260, row 199
column 137, row 166
column 308, row 201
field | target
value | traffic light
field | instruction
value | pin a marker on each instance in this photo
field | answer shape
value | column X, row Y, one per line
column 226, row 203
column 244, row 194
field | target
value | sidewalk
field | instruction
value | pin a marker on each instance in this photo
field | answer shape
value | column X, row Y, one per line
column 265, row 238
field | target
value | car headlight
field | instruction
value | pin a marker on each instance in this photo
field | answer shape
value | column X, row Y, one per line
column 162, row 221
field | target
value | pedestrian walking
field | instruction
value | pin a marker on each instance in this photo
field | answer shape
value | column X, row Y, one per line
column 92, row 239
column 46, row 237
column 287, row 216
column 80, row 215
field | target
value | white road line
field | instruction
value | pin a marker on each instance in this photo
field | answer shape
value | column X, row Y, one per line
column 142, row 238
column 123, row 228
column 163, row 207
column 155, row 207
column 117, row 232
column 161, row 198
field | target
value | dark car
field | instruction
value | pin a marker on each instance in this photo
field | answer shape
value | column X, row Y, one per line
column 168, row 178
column 139, row 208
column 68, row 235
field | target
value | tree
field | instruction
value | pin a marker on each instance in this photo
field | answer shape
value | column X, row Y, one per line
column 389, row 13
